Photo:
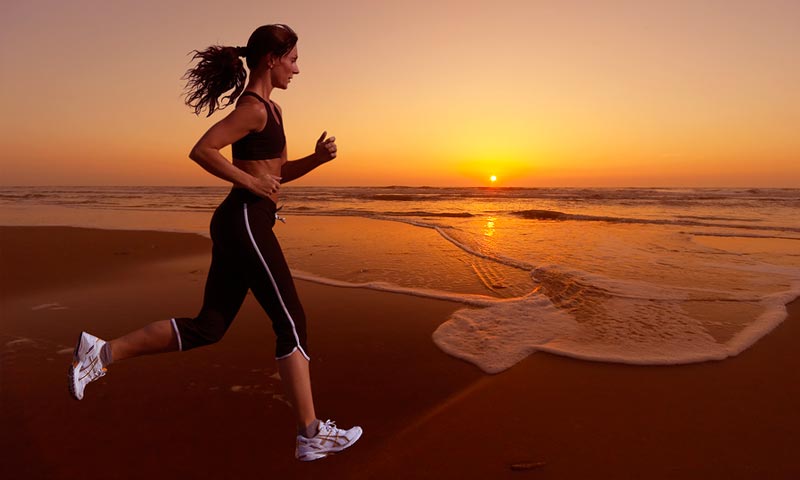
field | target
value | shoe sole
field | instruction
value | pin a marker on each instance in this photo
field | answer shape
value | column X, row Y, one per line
column 71, row 369
column 316, row 456
column 71, row 383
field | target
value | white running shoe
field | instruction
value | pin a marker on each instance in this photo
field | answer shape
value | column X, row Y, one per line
column 86, row 364
column 328, row 440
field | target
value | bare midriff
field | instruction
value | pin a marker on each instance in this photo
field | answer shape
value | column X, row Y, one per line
column 261, row 169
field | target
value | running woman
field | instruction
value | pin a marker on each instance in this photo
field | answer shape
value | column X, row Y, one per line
column 245, row 253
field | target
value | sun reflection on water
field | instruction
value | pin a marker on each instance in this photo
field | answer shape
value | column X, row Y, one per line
column 488, row 228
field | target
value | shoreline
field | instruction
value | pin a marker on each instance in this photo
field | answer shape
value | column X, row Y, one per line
column 425, row 414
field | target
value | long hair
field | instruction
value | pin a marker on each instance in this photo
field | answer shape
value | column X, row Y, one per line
column 221, row 70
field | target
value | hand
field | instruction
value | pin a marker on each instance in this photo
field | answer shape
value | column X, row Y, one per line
column 326, row 149
column 265, row 186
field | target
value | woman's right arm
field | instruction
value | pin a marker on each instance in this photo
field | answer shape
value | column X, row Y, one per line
column 241, row 121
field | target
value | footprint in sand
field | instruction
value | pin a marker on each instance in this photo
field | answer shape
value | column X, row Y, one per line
column 49, row 306
column 20, row 342
column 25, row 343
column 28, row 351
column 253, row 389
column 281, row 398
column 13, row 345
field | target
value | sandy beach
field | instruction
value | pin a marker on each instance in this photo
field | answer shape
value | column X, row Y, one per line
column 219, row 412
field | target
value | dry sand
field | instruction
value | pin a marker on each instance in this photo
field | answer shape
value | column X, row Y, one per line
column 219, row 412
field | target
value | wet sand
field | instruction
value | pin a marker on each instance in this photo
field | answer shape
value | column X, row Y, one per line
column 219, row 412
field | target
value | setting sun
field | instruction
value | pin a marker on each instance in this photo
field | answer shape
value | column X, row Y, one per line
column 493, row 178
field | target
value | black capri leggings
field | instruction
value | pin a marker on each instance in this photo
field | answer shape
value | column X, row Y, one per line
column 246, row 255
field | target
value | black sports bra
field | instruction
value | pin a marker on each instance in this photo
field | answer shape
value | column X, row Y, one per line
column 268, row 143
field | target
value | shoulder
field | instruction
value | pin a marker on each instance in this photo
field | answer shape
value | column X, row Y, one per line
column 251, row 112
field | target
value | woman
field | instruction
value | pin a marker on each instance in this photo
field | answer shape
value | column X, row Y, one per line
column 245, row 254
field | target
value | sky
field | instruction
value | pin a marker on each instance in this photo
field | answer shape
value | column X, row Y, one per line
column 440, row 93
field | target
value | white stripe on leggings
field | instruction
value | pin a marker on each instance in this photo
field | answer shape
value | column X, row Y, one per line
column 177, row 334
column 275, row 285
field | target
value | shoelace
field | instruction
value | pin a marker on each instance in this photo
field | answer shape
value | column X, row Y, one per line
column 328, row 432
column 329, row 426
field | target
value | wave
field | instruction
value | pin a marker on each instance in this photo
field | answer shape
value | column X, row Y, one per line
column 400, row 217
column 561, row 216
column 551, row 215
column 203, row 208
column 22, row 196
column 474, row 300
column 719, row 219
column 637, row 332
column 740, row 235
column 419, row 213
column 392, row 197
column 503, row 332
column 633, row 196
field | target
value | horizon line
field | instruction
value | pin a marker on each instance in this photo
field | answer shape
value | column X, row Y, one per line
column 490, row 187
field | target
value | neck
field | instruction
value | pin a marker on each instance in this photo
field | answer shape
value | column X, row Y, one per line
column 261, row 84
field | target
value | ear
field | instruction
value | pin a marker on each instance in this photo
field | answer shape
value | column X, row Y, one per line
column 268, row 61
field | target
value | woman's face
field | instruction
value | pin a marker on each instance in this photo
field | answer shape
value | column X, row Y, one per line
column 284, row 69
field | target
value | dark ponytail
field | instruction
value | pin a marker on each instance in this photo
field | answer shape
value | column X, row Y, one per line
column 218, row 71
column 221, row 70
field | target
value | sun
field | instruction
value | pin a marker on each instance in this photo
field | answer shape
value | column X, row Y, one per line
column 493, row 178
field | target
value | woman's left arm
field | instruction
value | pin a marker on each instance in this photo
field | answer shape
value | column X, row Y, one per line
column 324, row 152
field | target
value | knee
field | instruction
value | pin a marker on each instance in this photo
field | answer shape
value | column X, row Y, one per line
column 211, row 327
column 205, row 329
column 209, row 337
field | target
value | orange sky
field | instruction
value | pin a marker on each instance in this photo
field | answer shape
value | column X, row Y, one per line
column 568, row 93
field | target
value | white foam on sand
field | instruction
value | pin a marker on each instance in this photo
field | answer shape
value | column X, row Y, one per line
column 496, row 337
column 774, row 313
column 621, row 330
column 597, row 317
column 465, row 298
column 610, row 321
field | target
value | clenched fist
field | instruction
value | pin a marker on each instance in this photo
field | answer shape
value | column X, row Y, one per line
column 326, row 148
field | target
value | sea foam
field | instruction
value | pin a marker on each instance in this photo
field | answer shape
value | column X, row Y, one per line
column 638, row 332
column 496, row 337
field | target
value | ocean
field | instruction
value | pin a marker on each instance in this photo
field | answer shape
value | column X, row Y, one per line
column 631, row 275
